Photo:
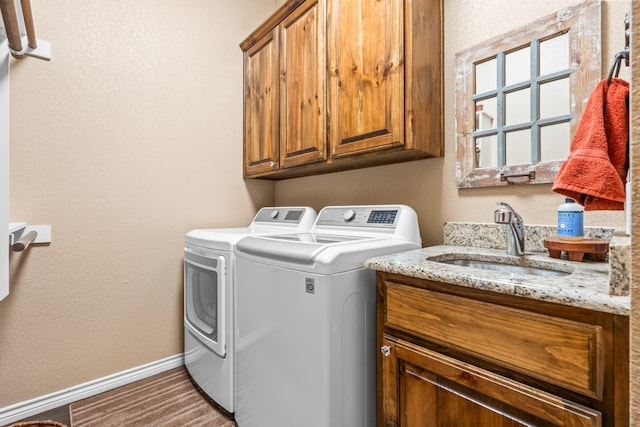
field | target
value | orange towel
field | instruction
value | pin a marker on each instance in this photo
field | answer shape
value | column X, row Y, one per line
column 596, row 169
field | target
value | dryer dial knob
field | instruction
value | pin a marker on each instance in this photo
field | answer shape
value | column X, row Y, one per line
column 349, row 215
column 274, row 214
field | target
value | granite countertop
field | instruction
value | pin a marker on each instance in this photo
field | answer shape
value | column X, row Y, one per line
column 587, row 285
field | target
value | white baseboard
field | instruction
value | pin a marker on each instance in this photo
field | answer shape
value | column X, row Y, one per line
column 44, row 403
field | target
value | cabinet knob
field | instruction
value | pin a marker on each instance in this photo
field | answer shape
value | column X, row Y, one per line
column 385, row 350
column 272, row 163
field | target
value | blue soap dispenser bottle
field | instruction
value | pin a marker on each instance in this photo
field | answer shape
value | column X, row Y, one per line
column 570, row 220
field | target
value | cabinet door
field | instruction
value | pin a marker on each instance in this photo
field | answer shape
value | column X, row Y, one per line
column 366, row 75
column 261, row 116
column 423, row 388
column 302, row 86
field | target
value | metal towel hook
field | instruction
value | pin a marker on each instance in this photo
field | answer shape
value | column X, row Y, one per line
column 624, row 54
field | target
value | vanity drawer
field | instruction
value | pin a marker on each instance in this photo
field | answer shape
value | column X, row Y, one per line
column 559, row 351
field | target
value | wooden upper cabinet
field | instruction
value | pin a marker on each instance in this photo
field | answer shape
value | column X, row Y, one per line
column 302, row 86
column 358, row 83
column 366, row 75
column 385, row 94
column 261, row 128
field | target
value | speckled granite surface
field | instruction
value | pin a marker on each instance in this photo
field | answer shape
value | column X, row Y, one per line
column 586, row 285
column 620, row 264
column 492, row 235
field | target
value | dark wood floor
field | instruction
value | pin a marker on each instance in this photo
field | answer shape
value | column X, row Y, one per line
column 61, row 414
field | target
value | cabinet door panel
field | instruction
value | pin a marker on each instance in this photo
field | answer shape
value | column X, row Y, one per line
column 366, row 75
column 302, row 86
column 424, row 53
column 435, row 390
column 261, row 106
column 560, row 351
column 443, row 407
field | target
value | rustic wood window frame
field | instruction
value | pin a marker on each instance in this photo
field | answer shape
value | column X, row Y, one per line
column 583, row 25
column 533, row 84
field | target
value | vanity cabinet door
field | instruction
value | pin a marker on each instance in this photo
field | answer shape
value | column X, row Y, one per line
column 302, row 86
column 423, row 388
column 366, row 75
column 261, row 106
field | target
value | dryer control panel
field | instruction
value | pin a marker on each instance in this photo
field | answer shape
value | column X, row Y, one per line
column 285, row 215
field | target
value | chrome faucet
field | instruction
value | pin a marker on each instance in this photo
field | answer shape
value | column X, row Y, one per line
column 514, row 236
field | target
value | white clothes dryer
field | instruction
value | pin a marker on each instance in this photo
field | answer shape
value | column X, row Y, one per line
column 305, row 318
column 209, row 271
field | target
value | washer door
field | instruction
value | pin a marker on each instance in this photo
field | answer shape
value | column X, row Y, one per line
column 204, row 297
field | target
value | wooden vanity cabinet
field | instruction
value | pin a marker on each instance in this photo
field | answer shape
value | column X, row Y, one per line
column 455, row 356
column 351, row 84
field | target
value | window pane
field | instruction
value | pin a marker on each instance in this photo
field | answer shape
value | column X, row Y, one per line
column 517, row 66
column 518, row 107
column 554, row 54
column 486, row 76
column 486, row 113
column 486, row 152
column 554, row 99
column 554, row 142
column 518, row 147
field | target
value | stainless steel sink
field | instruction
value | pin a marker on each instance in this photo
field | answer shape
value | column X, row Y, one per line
column 504, row 268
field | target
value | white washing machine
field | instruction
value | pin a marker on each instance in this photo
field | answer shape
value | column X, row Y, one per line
column 305, row 318
column 209, row 264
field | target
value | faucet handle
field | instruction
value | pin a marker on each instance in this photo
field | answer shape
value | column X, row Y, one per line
column 502, row 216
column 505, row 214
column 505, row 205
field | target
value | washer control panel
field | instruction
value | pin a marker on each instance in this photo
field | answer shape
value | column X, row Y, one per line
column 359, row 216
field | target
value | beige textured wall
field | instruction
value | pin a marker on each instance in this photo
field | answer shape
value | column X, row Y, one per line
column 128, row 138
column 429, row 185
column 635, row 232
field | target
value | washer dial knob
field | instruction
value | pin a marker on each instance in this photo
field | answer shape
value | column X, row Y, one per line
column 349, row 215
column 274, row 214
